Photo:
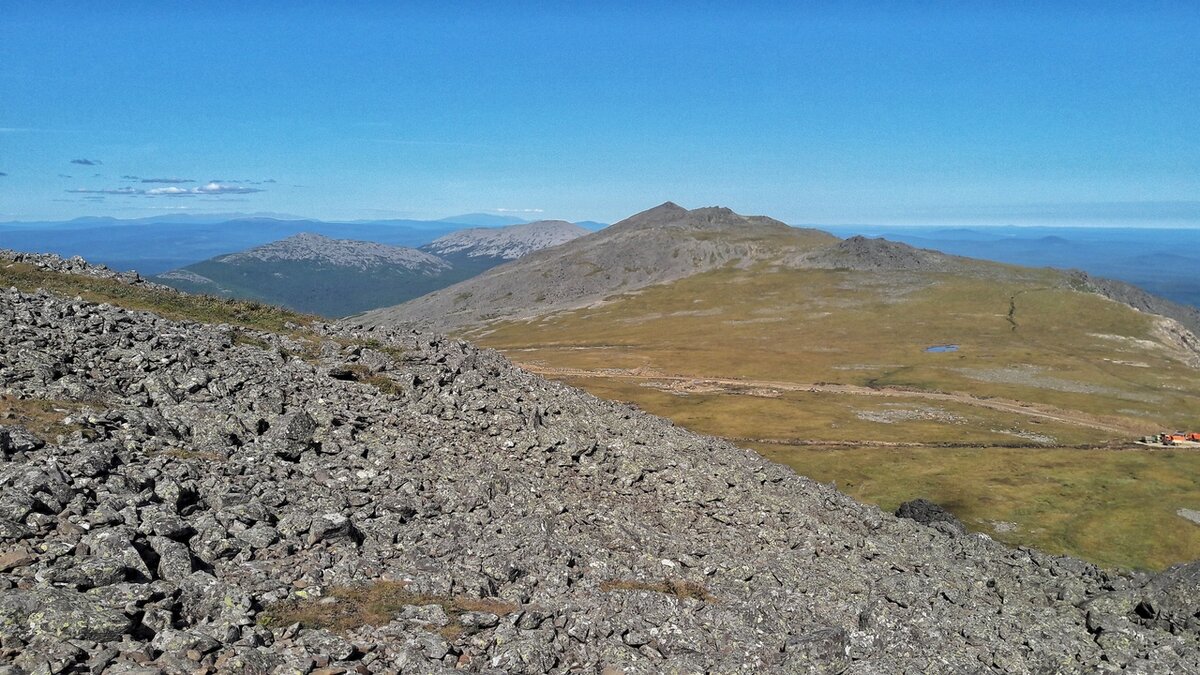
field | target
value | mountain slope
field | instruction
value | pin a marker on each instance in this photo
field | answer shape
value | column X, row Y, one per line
column 869, row 343
column 662, row 244
column 504, row 243
column 200, row 498
column 316, row 274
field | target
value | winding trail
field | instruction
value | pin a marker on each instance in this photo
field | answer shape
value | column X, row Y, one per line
column 1122, row 427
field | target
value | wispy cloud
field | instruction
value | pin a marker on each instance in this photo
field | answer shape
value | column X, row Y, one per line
column 519, row 210
column 130, row 178
column 63, row 175
column 239, row 181
column 87, row 162
column 110, row 191
column 168, row 191
column 213, row 190
column 162, row 180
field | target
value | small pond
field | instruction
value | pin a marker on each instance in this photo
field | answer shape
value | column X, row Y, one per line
column 942, row 348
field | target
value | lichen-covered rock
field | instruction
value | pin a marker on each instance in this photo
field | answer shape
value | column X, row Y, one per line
column 27, row 614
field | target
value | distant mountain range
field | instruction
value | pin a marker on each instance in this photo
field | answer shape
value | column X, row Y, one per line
column 668, row 243
column 161, row 243
column 331, row 277
column 1162, row 261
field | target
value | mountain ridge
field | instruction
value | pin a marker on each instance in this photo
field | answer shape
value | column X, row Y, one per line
column 660, row 244
column 645, row 249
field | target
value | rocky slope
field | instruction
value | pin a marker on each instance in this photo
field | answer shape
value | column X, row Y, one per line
column 322, row 250
column 656, row 246
column 504, row 243
column 177, row 496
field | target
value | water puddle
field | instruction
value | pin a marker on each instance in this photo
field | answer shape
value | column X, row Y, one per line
column 942, row 348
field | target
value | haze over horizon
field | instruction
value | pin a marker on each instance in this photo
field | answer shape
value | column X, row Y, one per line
column 969, row 114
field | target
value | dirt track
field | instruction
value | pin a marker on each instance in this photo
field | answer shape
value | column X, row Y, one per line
column 1118, row 426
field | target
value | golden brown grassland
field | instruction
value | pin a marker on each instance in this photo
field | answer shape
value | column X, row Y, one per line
column 1095, row 367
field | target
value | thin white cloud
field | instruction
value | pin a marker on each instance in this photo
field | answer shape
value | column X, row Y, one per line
column 168, row 191
column 166, row 180
column 215, row 188
column 520, row 210
column 111, row 191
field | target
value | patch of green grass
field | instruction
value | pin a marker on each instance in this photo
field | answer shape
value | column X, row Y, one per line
column 1113, row 507
column 199, row 308
column 241, row 337
column 1095, row 361
column 395, row 353
column 44, row 418
column 1072, row 350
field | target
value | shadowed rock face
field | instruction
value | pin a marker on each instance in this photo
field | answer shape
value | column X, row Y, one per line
column 215, row 483
column 928, row 513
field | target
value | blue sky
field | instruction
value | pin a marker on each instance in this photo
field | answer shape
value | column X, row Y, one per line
column 864, row 112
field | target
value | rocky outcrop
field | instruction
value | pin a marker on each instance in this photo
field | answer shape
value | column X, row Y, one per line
column 928, row 513
column 319, row 249
column 868, row 254
column 505, row 243
column 233, row 501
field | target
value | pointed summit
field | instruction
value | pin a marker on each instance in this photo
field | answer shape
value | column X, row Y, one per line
column 666, row 213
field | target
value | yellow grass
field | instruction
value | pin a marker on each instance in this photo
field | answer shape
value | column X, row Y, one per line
column 1094, row 367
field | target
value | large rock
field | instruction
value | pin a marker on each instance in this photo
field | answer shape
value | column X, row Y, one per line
column 928, row 513
column 60, row 613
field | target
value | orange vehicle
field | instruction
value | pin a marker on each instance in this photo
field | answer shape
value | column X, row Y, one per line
column 1194, row 437
column 1170, row 439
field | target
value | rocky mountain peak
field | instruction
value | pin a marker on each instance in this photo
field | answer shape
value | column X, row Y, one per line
column 663, row 214
column 671, row 215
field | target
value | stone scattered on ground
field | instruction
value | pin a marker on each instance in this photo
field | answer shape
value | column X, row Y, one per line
column 227, row 505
